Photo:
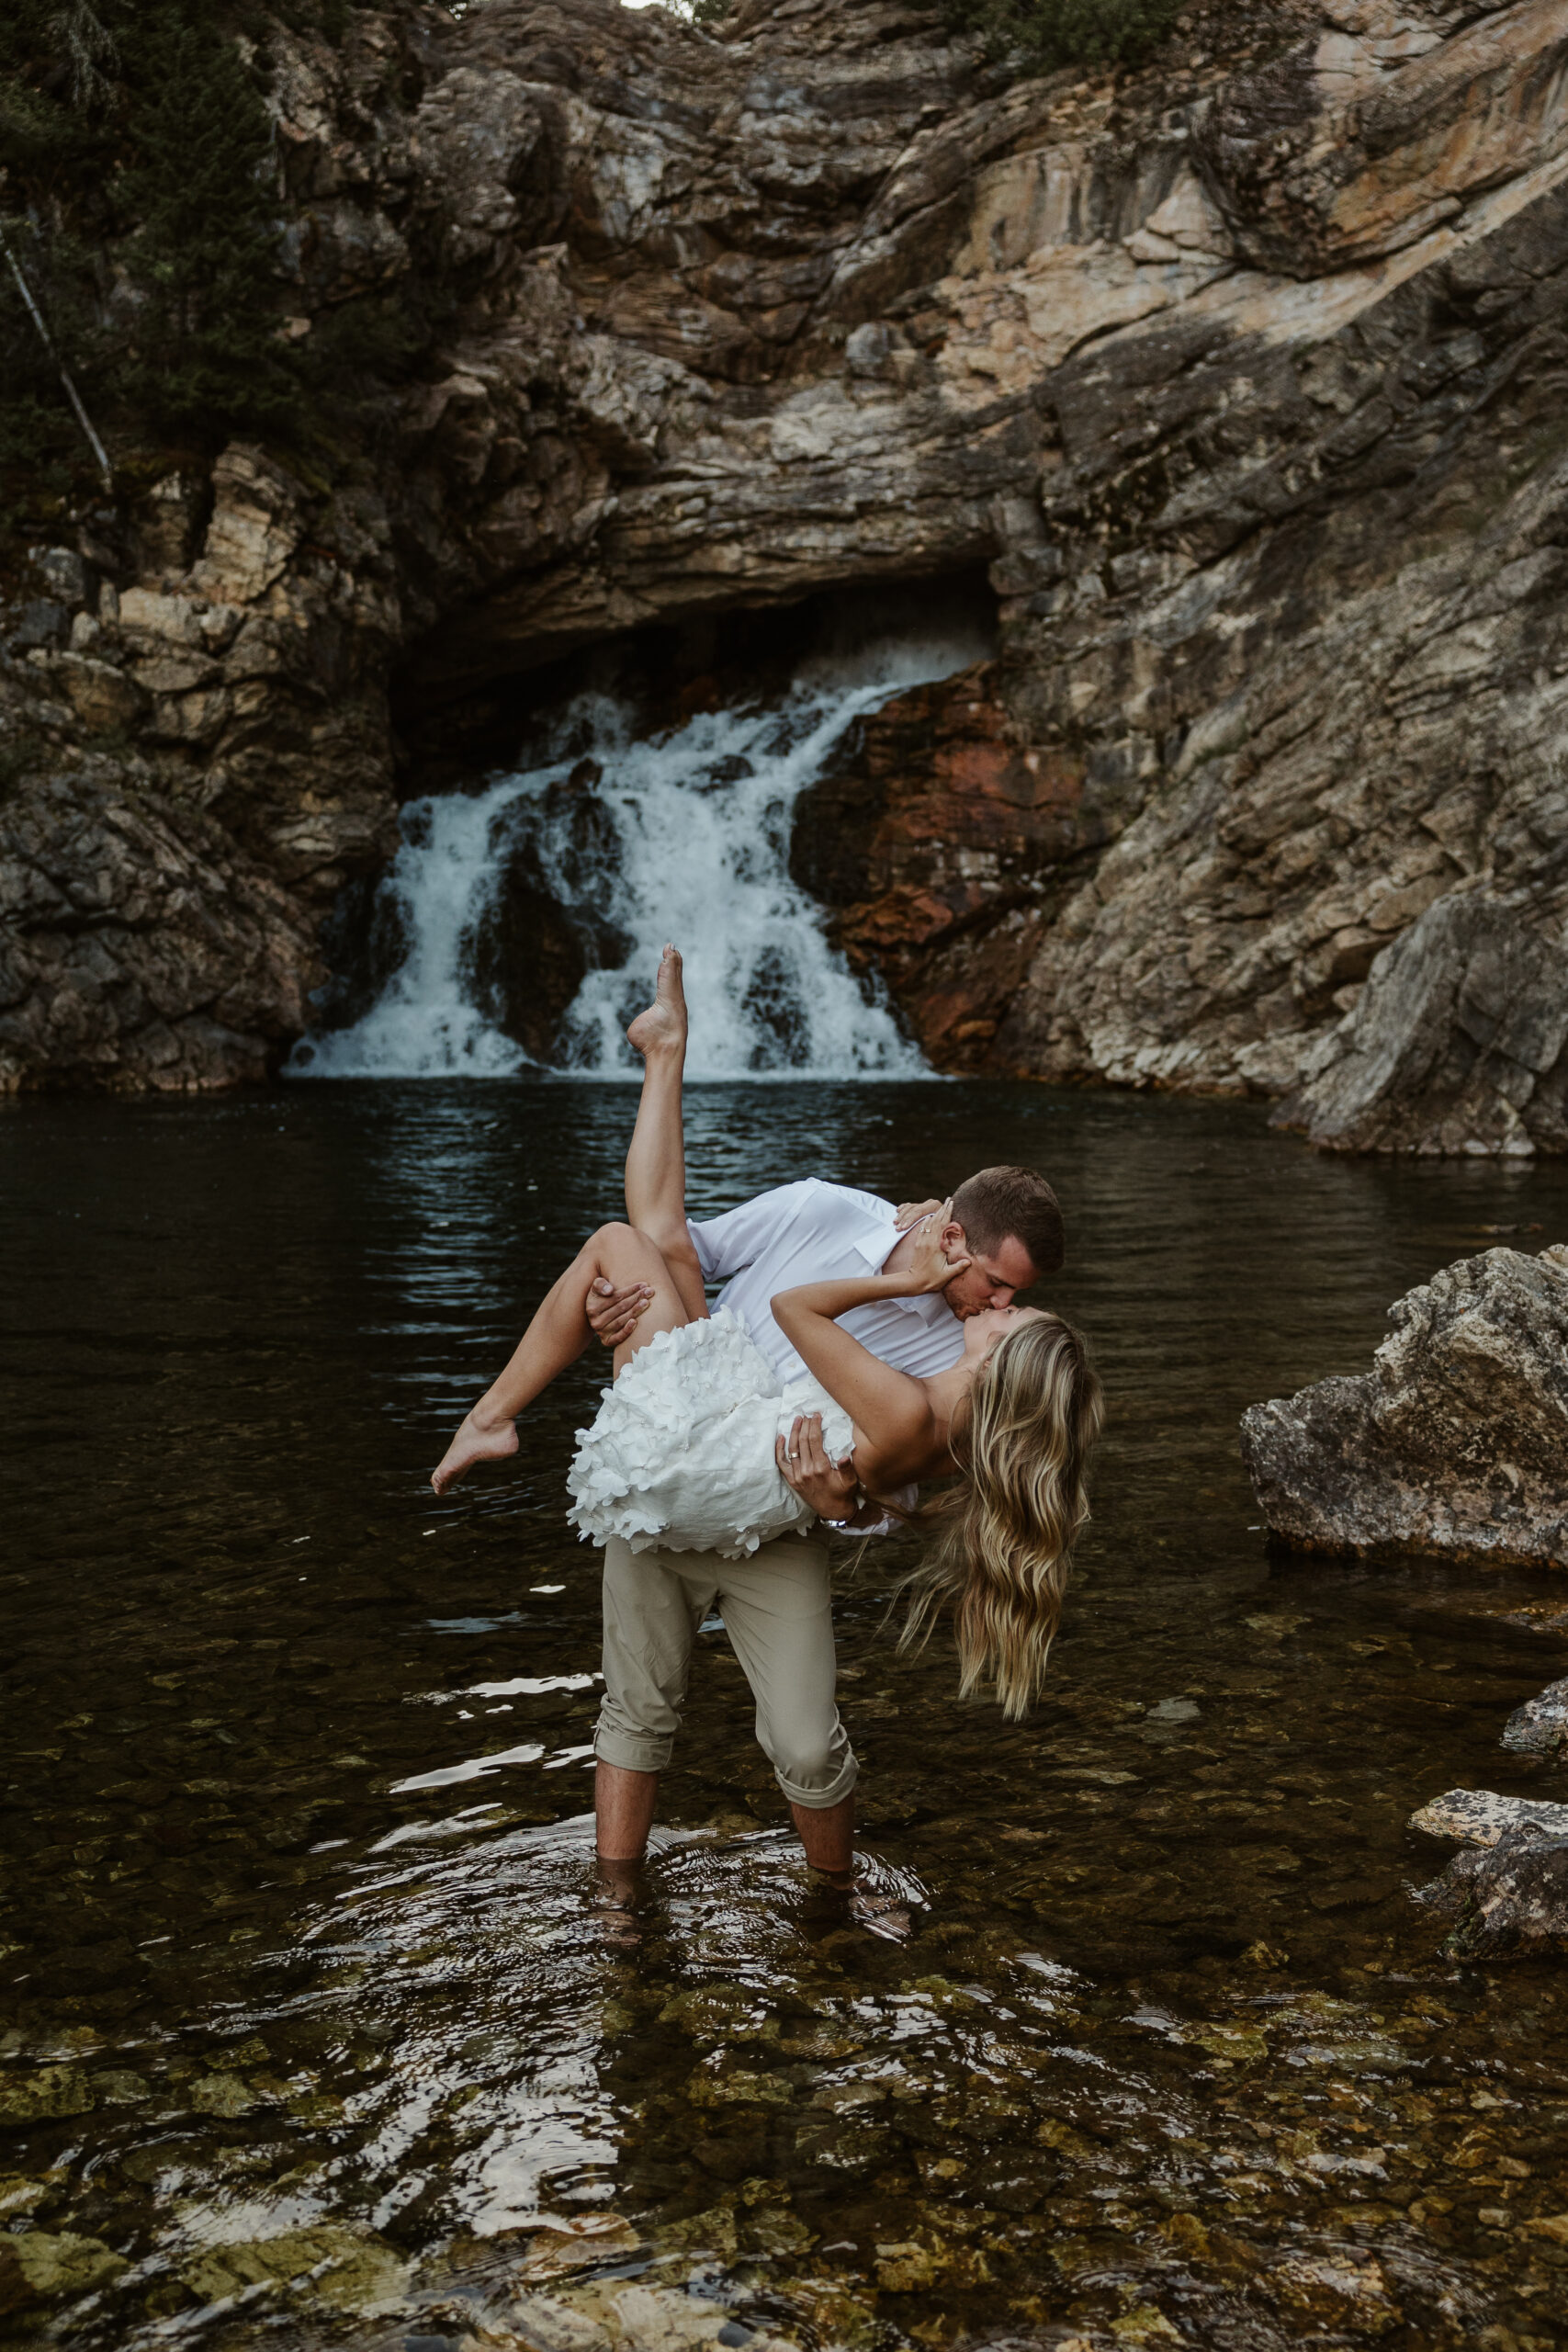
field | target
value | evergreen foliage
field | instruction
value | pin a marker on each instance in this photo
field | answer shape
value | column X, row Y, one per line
column 202, row 188
column 1039, row 36
column 139, row 193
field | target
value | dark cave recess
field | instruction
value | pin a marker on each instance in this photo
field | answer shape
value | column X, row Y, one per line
column 669, row 673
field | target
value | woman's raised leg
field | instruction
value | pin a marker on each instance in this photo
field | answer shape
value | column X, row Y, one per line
column 656, row 1162
column 556, row 1336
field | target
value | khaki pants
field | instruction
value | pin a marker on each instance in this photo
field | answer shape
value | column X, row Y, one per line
column 778, row 1613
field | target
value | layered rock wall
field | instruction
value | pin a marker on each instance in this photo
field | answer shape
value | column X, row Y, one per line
column 1245, row 375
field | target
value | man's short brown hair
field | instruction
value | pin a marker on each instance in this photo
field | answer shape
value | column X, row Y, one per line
column 997, row 1203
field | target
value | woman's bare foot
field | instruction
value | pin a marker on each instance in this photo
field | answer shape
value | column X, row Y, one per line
column 662, row 1028
column 475, row 1441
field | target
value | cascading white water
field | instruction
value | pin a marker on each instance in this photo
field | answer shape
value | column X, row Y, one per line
column 687, row 839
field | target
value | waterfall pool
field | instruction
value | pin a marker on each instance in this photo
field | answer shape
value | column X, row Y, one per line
column 619, row 839
column 316, row 2028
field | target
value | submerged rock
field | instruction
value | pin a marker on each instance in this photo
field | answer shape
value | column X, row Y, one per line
column 39, row 2097
column 349, row 2269
column 51, row 2265
column 1346, row 2290
column 1540, row 1726
column 1455, row 1443
column 621, row 2315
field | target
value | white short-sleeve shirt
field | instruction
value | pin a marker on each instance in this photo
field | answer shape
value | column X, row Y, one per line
column 813, row 1232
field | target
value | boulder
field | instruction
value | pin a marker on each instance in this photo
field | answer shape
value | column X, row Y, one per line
column 1479, row 1818
column 1507, row 1891
column 1455, row 1443
column 1508, row 1898
column 1540, row 1726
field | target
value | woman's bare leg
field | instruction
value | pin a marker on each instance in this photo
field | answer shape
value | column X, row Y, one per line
column 556, row 1336
column 656, row 1162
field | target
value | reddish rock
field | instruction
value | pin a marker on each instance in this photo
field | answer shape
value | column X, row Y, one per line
column 938, row 845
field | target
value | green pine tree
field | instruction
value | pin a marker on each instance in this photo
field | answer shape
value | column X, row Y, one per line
column 1038, row 36
column 202, row 191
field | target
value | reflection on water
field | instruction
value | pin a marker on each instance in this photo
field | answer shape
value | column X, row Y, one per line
column 315, row 2012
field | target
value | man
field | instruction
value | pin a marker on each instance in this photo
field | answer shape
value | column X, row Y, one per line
column 1006, row 1222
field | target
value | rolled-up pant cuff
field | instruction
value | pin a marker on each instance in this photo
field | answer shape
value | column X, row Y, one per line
column 632, row 1752
column 819, row 1800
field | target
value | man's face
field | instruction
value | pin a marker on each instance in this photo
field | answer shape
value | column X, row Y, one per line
column 991, row 1277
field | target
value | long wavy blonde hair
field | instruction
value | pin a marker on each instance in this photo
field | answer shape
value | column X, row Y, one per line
column 1004, row 1536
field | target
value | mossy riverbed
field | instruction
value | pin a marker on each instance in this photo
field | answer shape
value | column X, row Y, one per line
column 319, row 2028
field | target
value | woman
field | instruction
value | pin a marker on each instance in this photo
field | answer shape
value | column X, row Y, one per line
column 692, row 1447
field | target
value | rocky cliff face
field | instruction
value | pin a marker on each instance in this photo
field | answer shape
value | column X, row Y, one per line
column 1244, row 375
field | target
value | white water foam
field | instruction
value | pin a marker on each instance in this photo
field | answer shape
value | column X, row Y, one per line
column 687, row 839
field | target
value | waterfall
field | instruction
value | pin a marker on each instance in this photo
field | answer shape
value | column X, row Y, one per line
column 592, row 863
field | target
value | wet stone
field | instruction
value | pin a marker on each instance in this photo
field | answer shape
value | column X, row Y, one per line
column 1540, row 1726
column 1511, row 1896
column 62, row 2263
column 556, row 2253
column 349, row 2269
column 121, row 2087
column 220, row 2094
column 741, row 2089
column 1481, row 1818
column 50, row 2091
column 1344, row 2291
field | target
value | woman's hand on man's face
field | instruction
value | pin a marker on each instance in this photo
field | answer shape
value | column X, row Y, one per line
column 805, row 1464
column 931, row 1268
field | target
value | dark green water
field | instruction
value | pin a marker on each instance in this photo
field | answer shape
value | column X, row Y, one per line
column 316, row 2025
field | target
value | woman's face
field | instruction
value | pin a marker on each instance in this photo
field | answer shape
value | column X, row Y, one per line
column 982, row 1331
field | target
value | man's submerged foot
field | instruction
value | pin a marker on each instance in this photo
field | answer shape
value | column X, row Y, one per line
column 664, row 1022
column 865, row 1897
column 473, row 1444
column 616, row 1896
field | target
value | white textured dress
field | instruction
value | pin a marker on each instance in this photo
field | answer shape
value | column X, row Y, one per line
column 680, row 1455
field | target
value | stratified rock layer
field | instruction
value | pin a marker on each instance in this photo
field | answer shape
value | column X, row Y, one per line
column 1455, row 1443
column 1246, row 379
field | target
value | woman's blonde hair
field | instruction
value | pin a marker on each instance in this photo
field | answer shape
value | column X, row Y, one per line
column 1005, row 1535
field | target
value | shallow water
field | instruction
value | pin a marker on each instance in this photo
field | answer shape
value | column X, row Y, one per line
column 316, row 2025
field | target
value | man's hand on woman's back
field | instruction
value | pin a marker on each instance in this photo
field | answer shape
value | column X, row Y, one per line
column 805, row 1464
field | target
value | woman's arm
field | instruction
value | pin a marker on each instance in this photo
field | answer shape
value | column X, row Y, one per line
column 890, row 1410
